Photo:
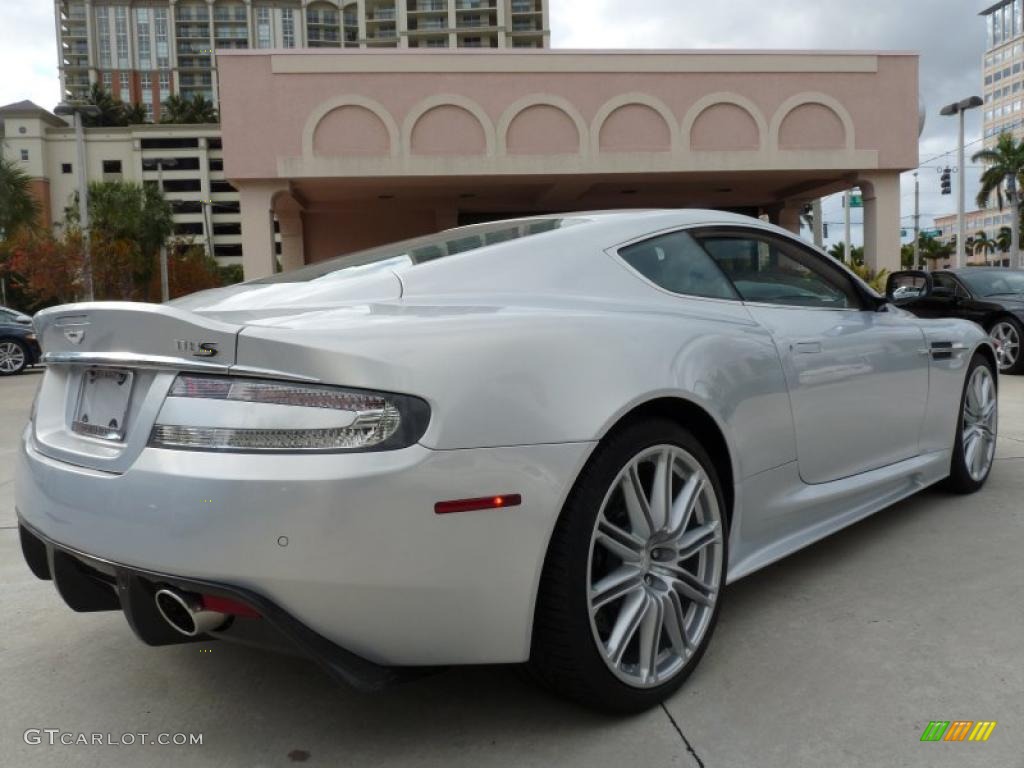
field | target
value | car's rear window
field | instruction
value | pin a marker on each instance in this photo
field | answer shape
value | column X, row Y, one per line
column 408, row 253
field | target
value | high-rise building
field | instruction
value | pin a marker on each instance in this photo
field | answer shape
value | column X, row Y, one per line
column 145, row 50
column 1002, row 70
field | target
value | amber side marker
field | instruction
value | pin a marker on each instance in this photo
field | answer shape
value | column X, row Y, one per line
column 472, row 505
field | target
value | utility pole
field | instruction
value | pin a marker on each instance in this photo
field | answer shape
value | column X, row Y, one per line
column 960, row 108
column 77, row 110
column 165, row 289
column 819, row 225
column 917, row 221
column 846, row 221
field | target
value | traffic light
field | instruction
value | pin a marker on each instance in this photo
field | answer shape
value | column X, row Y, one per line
column 946, row 181
column 824, row 230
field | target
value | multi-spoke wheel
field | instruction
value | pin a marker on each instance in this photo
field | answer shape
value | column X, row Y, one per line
column 633, row 580
column 13, row 357
column 977, row 428
column 1006, row 335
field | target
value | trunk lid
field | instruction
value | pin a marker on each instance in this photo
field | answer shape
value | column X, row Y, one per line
column 110, row 365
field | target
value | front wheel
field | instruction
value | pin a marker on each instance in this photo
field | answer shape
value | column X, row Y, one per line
column 13, row 357
column 975, row 446
column 632, row 584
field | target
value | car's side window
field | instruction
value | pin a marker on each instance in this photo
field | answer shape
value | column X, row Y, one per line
column 948, row 286
column 677, row 263
column 771, row 270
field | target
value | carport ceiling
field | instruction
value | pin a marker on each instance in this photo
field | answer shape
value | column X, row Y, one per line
column 574, row 192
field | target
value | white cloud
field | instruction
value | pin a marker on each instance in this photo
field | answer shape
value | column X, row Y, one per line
column 28, row 52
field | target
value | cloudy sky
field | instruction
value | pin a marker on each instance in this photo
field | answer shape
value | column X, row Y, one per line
column 948, row 33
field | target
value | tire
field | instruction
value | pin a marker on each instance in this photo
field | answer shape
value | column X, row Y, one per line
column 979, row 420
column 13, row 357
column 580, row 618
column 1008, row 333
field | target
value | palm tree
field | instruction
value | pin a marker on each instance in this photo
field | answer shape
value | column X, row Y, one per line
column 18, row 206
column 201, row 110
column 1005, row 163
column 135, row 114
column 1004, row 240
column 111, row 109
column 195, row 110
column 984, row 244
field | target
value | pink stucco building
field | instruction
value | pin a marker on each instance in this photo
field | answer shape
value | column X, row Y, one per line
column 346, row 149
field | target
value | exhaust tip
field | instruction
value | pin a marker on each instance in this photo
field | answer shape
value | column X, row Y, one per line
column 186, row 614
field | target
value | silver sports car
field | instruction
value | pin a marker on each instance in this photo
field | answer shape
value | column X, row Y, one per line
column 550, row 440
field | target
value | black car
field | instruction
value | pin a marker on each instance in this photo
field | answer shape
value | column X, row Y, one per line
column 18, row 345
column 993, row 297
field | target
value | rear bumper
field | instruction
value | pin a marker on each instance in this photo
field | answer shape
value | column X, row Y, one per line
column 90, row 584
column 347, row 545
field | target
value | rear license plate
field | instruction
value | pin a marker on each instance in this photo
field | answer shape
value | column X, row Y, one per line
column 103, row 403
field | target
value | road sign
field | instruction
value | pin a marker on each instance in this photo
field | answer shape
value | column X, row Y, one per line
column 856, row 201
column 931, row 232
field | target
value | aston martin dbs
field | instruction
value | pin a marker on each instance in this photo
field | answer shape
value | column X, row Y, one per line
column 550, row 440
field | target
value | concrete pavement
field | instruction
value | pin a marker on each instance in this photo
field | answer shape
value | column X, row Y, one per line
column 838, row 656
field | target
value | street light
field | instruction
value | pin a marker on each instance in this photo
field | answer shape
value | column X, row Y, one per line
column 161, row 163
column 78, row 109
column 959, row 108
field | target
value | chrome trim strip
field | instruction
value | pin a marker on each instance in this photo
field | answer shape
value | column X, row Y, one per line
column 167, row 363
column 270, row 373
column 158, row 362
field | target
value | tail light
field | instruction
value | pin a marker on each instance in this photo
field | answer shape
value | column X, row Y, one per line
column 223, row 413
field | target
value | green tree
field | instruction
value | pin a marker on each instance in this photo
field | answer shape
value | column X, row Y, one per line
column 174, row 110
column 1004, row 240
column 112, row 111
column 983, row 244
column 135, row 114
column 131, row 222
column 195, row 110
column 202, row 110
column 18, row 206
column 1005, row 165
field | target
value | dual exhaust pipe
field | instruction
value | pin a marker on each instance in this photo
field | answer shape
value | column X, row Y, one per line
column 185, row 612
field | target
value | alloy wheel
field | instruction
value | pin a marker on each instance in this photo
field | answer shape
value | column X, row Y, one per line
column 655, row 565
column 12, row 357
column 1007, row 343
column 979, row 422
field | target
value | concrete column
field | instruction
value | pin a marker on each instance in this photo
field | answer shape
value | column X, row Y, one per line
column 293, row 254
column 256, row 200
column 788, row 217
column 881, row 193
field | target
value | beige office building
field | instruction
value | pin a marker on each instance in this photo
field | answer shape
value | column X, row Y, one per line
column 145, row 50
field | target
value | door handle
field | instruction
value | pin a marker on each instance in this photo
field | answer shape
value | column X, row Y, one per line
column 806, row 347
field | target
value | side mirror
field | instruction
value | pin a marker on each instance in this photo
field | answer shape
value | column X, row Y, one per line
column 910, row 285
column 23, row 320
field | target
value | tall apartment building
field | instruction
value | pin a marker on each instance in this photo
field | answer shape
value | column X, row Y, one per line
column 1003, row 93
column 1003, row 70
column 145, row 50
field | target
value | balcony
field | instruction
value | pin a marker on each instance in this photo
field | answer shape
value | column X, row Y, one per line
column 525, row 25
column 231, row 32
column 382, row 33
column 230, row 14
column 192, row 14
column 426, row 6
column 524, row 6
column 193, row 32
column 475, row 22
column 420, row 25
column 474, row 5
column 382, row 14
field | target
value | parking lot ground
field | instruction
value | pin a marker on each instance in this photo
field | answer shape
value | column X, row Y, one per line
column 838, row 656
